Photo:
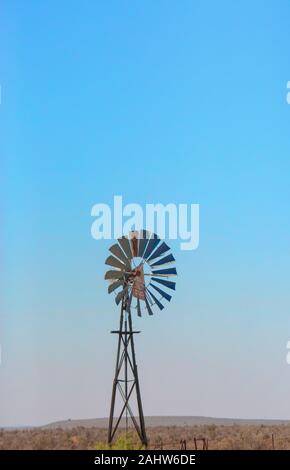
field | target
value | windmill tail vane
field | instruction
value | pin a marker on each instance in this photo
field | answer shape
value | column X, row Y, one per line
column 139, row 267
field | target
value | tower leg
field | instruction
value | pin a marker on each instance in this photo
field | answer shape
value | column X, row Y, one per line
column 115, row 381
column 123, row 383
column 139, row 401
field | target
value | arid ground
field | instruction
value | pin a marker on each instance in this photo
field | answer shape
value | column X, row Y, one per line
column 234, row 436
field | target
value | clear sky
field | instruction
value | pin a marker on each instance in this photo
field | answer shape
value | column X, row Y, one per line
column 158, row 101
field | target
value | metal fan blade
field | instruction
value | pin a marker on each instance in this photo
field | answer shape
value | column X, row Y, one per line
column 167, row 259
column 149, row 297
column 144, row 237
column 160, row 250
column 169, row 284
column 114, row 275
column 121, row 294
column 114, row 286
column 158, row 303
column 148, row 306
column 167, row 272
column 134, row 243
column 152, row 244
column 163, row 293
column 116, row 250
column 138, row 308
column 112, row 261
column 125, row 244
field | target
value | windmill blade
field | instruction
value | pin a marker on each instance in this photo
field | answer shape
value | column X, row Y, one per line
column 169, row 284
column 149, row 298
column 112, row 261
column 158, row 303
column 167, row 259
column 152, row 244
column 160, row 250
column 148, row 306
column 125, row 244
column 114, row 275
column 144, row 238
column 116, row 250
column 121, row 294
column 114, row 286
column 138, row 308
column 134, row 243
column 163, row 293
column 166, row 272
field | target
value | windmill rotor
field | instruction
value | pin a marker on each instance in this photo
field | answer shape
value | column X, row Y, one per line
column 138, row 265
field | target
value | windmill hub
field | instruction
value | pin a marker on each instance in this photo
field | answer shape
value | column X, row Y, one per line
column 135, row 273
column 139, row 280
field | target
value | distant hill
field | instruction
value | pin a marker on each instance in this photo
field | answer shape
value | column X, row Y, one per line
column 156, row 421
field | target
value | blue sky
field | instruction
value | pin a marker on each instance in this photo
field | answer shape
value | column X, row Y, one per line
column 158, row 101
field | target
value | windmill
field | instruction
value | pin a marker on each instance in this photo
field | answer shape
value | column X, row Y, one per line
column 138, row 276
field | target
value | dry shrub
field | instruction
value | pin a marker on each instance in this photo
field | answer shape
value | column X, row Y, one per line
column 220, row 437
